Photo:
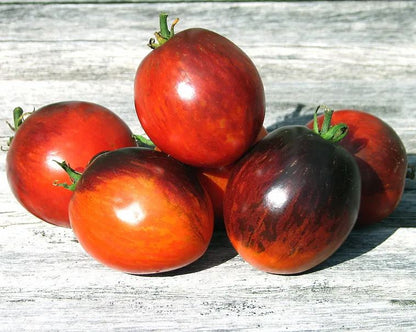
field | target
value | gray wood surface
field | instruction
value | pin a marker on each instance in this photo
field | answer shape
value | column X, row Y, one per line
column 344, row 54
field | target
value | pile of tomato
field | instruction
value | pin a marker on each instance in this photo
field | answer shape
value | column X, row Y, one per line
column 286, row 199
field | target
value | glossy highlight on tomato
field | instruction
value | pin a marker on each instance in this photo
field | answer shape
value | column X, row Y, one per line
column 200, row 98
column 72, row 130
column 291, row 201
column 140, row 211
column 382, row 159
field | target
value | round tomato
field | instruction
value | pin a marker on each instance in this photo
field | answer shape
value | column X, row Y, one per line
column 199, row 98
column 73, row 131
column 140, row 211
column 382, row 160
column 291, row 201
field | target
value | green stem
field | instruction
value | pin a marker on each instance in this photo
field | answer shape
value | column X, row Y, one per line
column 164, row 34
column 163, row 22
column 330, row 133
column 73, row 175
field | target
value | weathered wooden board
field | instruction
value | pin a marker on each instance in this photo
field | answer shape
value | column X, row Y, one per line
column 344, row 54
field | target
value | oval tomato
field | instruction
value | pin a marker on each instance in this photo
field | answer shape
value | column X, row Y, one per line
column 140, row 211
column 291, row 201
column 200, row 98
column 73, row 130
column 382, row 160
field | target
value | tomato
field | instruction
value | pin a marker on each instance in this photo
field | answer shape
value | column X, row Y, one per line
column 215, row 180
column 140, row 211
column 199, row 98
column 291, row 201
column 382, row 160
column 73, row 130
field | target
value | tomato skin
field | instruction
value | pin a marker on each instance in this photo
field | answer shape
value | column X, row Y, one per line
column 200, row 99
column 73, row 131
column 382, row 159
column 291, row 201
column 140, row 211
column 215, row 180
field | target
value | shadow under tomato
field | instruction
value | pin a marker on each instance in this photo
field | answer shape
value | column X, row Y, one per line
column 364, row 239
column 294, row 118
column 373, row 184
column 219, row 251
column 359, row 242
column 411, row 171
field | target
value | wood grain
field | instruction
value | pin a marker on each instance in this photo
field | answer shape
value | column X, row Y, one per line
column 344, row 54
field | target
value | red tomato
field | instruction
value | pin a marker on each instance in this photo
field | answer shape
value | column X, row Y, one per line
column 200, row 98
column 382, row 160
column 74, row 131
column 215, row 180
column 291, row 201
column 140, row 211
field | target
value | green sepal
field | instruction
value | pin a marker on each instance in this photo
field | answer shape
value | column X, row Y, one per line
column 143, row 141
column 73, row 175
column 18, row 118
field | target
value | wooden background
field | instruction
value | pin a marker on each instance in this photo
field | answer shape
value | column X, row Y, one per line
column 344, row 54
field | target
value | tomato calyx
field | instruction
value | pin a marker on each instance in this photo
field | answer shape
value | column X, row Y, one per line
column 330, row 133
column 73, row 175
column 164, row 34
column 18, row 118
